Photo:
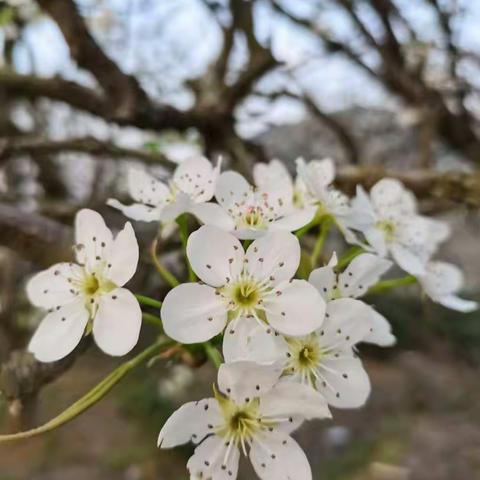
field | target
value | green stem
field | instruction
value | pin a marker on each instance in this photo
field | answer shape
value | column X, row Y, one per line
column 300, row 233
column 348, row 256
column 148, row 301
column 386, row 285
column 213, row 354
column 182, row 222
column 317, row 249
column 166, row 274
column 152, row 320
column 93, row 396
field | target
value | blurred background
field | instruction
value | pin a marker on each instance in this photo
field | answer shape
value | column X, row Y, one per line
column 384, row 87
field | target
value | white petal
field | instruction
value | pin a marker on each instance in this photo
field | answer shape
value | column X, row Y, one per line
column 193, row 313
column 292, row 399
column 192, row 422
column 347, row 322
column 116, row 326
column 137, row 211
column 213, row 214
column 214, row 459
column 389, row 194
column 442, row 279
column 246, row 339
column 59, row 332
column 196, row 176
column 294, row 221
column 92, row 236
column 231, row 188
column 296, row 308
column 182, row 204
column 362, row 272
column 457, row 303
column 380, row 330
column 376, row 239
column 146, row 189
column 123, row 257
column 277, row 456
column 274, row 255
column 245, row 380
column 407, row 259
column 362, row 214
column 345, row 381
column 274, row 172
column 51, row 287
column 216, row 256
column 323, row 279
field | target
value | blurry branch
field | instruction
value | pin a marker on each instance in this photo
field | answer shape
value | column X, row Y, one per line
column 396, row 73
column 88, row 145
column 459, row 187
column 122, row 91
column 35, row 238
column 32, row 87
column 22, row 377
column 341, row 132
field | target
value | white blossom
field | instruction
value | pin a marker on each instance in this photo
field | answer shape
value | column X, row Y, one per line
column 362, row 273
column 389, row 220
column 88, row 294
column 317, row 177
column 189, row 190
column 236, row 285
column 275, row 173
column 253, row 213
column 252, row 412
column 441, row 282
column 324, row 359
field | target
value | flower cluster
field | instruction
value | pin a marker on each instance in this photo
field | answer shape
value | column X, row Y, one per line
column 289, row 344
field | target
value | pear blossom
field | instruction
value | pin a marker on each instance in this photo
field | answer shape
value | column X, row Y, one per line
column 275, row 173
column 363, row 272
column 441, row 283
column 389, row 220
column 317, row 177
column 88, row 295
column 253, row 411
column 236, row 285
column 253, row 213
column 189, row 190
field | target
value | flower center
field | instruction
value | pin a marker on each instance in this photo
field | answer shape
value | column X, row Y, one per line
column 240, row 422
column 254, row 217
column 245, row 294
column 388, row 228
column 91, row 285
column 304, row 356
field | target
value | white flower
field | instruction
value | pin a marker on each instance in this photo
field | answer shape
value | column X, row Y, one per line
column 256, row 284
column 389, row 221
column 275, row 173
column 362, row 273
column 88, row 293
column 324, row 359
column 189, row 190
column 317, row 177
column 441, row 283
column 253, row 213
column 252, row 410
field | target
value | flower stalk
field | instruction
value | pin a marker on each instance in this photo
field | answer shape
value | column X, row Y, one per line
column 94, row 395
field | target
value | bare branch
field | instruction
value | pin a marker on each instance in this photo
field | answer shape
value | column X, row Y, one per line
column 123, row 92
column 458, row 187
column 35, row 238
column 89, row 145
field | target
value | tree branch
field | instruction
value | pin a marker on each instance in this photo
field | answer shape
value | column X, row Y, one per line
column 458, row 187
column 89, row 145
